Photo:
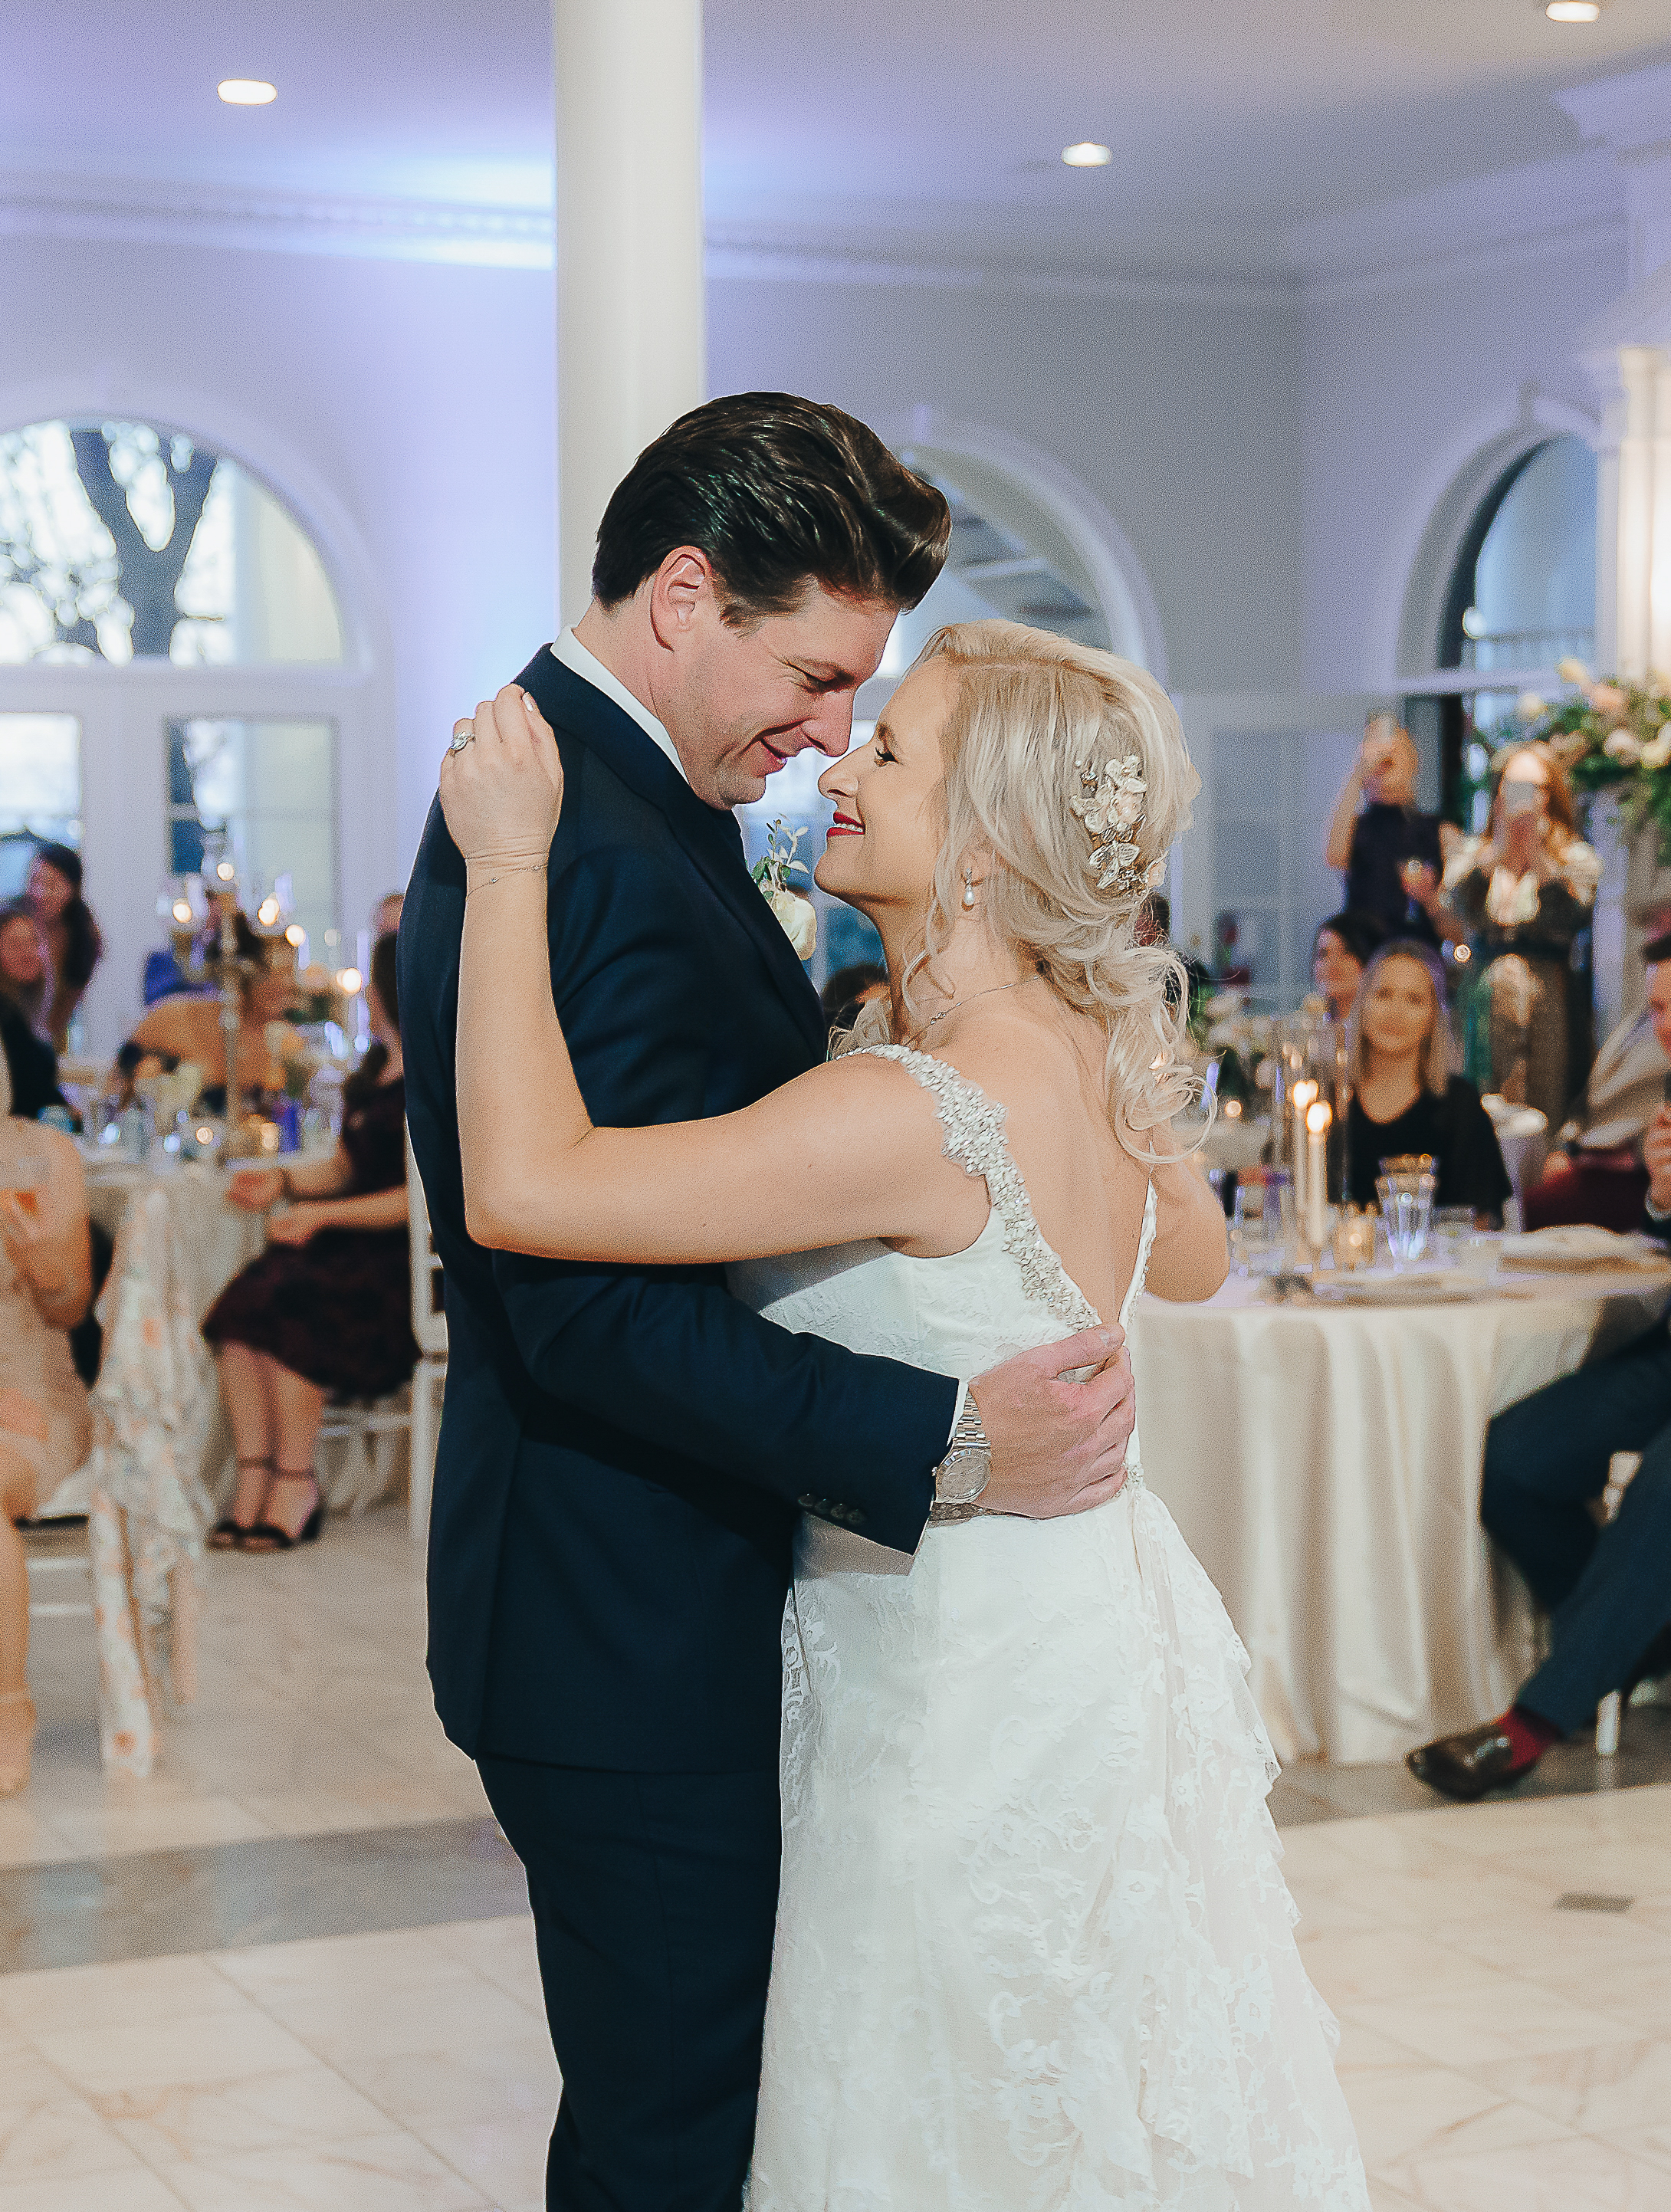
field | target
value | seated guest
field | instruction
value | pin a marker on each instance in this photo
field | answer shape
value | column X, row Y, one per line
column 25, row 970
column 326, row 1310
column 1340, row 952
column 45, row 1283
column 1597, row 1174
column 74, row 946
column 1405, row 1099
column 1608, row 1591
column 32, row 1066
column 179, row 1029
column 847, row 990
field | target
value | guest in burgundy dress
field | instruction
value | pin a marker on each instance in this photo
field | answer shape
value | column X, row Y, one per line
column 325, row 1312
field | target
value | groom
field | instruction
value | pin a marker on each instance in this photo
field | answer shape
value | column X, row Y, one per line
column 624, row 1452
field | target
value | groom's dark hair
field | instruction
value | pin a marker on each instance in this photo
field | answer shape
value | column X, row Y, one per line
column 780, row 492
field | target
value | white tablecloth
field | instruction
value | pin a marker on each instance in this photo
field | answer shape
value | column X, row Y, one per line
column 1324, row 1467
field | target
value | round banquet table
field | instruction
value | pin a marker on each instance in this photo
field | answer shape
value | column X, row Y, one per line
column 1323, row 1464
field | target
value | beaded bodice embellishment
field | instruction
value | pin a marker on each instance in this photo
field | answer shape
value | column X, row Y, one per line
column 974, row 1137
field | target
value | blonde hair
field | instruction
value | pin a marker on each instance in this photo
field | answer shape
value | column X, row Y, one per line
column 1434, row 1063
column 1027, row 707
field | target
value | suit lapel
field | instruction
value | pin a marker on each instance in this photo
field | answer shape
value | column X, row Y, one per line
column 712, row 838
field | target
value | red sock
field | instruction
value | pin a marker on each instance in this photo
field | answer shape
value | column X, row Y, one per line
column 1529, row 1736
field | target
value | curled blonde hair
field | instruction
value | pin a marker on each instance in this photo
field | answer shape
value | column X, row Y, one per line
column 1027, row 707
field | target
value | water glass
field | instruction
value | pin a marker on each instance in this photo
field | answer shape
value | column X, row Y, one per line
column 1453, row 1225
column 1262, row 1224
column 1406, row 1207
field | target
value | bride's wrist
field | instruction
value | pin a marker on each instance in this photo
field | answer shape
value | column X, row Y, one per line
column 482, row 868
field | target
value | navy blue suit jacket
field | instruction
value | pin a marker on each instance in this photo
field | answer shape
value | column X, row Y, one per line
column 623, row 1449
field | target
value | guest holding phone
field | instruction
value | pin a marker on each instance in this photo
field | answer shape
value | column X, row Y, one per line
column 1522, row 896
column 1389, row 855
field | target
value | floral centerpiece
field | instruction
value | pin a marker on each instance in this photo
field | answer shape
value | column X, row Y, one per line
column 1225, row 1025
column 1612, row 736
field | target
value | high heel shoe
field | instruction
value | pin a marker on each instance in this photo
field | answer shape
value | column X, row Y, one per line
column 228, row 1534
column 15, row 1775
column 269, row 1536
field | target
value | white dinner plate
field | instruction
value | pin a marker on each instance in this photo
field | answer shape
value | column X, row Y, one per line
column 1427, row 1288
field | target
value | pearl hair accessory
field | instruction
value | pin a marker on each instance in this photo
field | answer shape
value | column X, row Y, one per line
column 1110, row 804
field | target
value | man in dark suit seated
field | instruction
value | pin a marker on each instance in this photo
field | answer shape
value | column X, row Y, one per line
column 624, row 1452
column 1608, row 1591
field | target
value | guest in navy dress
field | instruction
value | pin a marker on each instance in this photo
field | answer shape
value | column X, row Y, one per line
column 325, row 1312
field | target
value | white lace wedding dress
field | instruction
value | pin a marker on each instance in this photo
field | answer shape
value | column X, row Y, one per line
column 1033, row 1948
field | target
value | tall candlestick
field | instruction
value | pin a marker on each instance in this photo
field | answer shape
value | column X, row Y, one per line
column 1318, row 1120
column 1299, row 1099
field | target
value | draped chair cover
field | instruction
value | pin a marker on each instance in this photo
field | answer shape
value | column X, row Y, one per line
column 149, row 1511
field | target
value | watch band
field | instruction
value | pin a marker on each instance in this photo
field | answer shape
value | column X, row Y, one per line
column 969, row 1436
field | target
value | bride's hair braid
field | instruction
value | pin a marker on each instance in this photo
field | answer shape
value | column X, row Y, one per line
column 1029, row 708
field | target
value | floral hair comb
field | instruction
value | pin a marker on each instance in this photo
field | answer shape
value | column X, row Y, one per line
column 1110, row 804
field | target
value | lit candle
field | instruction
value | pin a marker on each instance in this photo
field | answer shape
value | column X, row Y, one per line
column 1317, row 1119
column 1299, row 1098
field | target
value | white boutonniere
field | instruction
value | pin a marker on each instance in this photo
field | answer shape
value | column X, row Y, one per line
column 796, row 916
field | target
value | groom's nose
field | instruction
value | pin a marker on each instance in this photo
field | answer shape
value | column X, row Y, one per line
column 830, row 726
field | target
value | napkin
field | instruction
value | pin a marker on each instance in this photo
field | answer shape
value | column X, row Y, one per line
column 1583, row 1249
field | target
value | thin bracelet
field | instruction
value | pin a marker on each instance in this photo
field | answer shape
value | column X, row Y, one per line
column 536, row 869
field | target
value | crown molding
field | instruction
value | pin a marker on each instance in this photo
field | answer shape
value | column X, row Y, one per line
column 125, row 210
column 1632, row 112
column 1572, row 204
column 732, row 254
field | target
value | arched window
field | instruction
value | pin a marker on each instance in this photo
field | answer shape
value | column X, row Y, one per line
column 175, row 666
column 1522, row 598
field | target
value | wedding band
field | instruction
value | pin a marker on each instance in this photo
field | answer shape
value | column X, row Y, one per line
column 462, row 734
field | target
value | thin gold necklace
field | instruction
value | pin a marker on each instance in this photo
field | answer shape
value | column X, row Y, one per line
column 990, row 991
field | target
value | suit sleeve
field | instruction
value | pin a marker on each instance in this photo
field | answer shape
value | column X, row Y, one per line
column 668, row 1354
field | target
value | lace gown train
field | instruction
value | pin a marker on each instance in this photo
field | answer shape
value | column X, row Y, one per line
column 1034, row 1951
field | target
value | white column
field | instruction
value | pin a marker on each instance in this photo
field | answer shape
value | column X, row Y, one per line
column 631, row 353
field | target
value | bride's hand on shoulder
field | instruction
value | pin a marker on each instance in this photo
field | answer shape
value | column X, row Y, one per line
column 501, row 788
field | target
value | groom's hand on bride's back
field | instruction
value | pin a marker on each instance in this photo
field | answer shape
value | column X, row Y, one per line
column 1058, row 1445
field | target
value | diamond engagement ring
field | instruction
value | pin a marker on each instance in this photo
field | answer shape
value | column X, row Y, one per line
column 462, row 734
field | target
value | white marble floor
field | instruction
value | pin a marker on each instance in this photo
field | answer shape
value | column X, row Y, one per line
column 314, row 1713
column 1502, row 2052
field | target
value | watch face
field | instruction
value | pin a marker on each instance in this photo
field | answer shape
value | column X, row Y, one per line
column 964, row 1474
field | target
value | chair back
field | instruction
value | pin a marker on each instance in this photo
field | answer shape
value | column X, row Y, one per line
column 428, row 1316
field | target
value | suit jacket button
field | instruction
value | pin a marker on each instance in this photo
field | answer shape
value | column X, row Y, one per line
column 855, row 1517
column 807, row 1502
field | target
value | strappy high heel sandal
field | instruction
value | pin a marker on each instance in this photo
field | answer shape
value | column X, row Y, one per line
column 269, row 1536
column 14, row 1771
column 227, row 1534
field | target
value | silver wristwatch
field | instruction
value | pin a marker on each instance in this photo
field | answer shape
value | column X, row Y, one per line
column 964, row 1471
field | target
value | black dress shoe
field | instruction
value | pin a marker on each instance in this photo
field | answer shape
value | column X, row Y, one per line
column 1466, row 1766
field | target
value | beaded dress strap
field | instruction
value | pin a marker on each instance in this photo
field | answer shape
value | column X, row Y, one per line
column 973, row 1126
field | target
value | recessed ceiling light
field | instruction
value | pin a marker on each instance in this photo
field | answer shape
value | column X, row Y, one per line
column 1574, row 11
column 1087, row 154
column 247, row 91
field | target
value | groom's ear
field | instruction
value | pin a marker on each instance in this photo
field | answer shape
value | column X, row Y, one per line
column 682, row 591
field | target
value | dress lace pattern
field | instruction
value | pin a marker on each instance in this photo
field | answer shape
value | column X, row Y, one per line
column 1034, row 1949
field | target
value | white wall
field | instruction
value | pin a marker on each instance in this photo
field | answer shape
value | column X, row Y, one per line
column 412, row 400
column 1181, row 418
column 1401, row 389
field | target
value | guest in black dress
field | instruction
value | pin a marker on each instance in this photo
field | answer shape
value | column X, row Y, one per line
column 325, row 1312
column 1405, row 1099
column 1390, row 855
column 1340, row 952
column 31, row 1062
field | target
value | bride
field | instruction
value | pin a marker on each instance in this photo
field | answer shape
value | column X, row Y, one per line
column 1033, row 1947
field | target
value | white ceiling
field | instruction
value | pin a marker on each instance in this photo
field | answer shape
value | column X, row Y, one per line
column 891, row 126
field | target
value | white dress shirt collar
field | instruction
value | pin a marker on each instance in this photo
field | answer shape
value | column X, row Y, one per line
column 587, row 666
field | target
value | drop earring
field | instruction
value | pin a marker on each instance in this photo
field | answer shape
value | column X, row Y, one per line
column 969, row 890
